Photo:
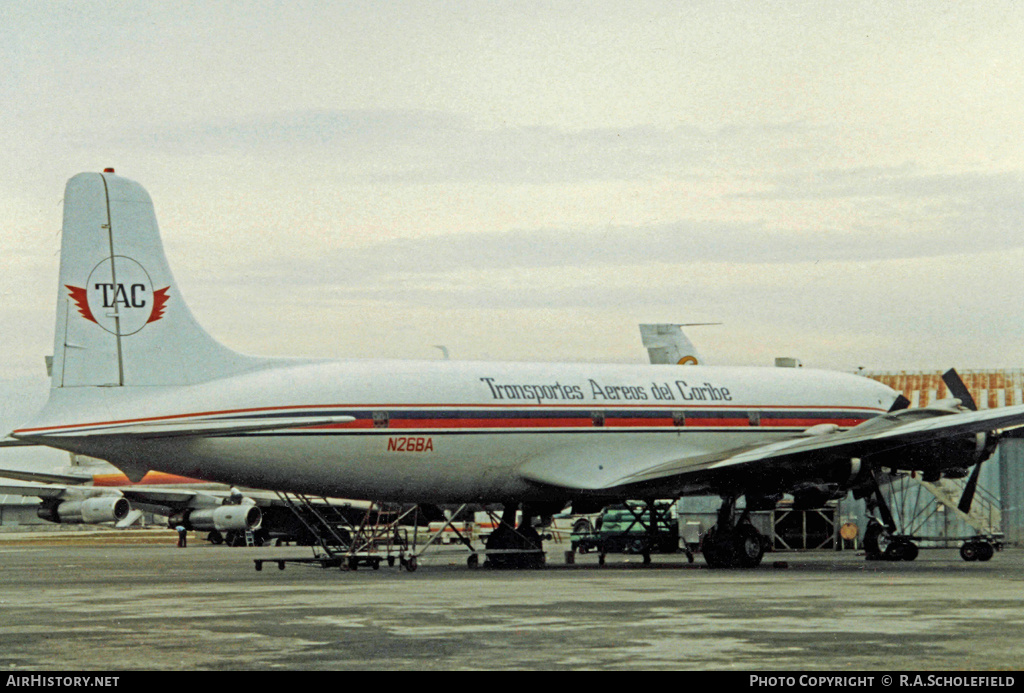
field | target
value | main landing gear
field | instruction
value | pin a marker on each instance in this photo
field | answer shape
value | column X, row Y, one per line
column 733, row 542
column 509, row 547
column 882, row 543
column 881, row 540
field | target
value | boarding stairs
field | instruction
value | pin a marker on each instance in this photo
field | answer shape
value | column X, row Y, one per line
column 329, row 528
column 343, row 543
column 985, row 515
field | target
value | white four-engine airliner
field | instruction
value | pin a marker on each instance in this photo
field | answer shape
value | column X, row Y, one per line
column 138, row 382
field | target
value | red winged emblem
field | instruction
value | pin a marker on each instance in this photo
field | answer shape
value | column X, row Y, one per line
column 159, row 304
column 81, row 299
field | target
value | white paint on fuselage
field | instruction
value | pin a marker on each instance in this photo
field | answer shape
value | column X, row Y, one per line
column 467, row 459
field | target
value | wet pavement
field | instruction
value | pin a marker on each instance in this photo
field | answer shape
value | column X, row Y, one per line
column 108, row 603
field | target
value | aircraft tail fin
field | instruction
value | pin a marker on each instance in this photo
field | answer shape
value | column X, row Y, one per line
column 121, row 320
column 666, row 343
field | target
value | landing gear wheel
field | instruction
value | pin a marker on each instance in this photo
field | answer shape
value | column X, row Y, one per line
column 969, row 551
column 717, row 552
column 876, row 541
column 910, row 550
column 504, row 538
column 748, row 546
column 743, row 547
column 893, row 552
column 985, row 551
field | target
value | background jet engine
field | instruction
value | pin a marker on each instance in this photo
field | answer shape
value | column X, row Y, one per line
column 88, row 511
column 223, row 519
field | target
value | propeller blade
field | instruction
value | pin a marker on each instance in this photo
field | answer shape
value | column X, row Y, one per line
column 900, row 404
column 958, row 389
column 967, row 499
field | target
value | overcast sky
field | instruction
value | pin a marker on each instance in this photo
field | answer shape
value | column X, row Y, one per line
column 839, row 182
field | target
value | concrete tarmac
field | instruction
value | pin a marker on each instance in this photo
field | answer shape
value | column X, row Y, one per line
column 113, row 601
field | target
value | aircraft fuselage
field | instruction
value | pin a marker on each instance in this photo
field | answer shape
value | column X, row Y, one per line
column 445, row 431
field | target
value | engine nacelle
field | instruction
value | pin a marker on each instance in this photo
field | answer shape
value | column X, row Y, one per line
column 88, row 511
column 223, row 518
column 810, row 496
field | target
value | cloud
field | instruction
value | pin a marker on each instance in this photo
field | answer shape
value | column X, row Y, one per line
column 904, row 182
column 426, row 147
column 683, row 243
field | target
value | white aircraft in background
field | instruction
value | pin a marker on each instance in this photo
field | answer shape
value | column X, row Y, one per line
column 666, row 343
column 136, row 381
column 93, row 492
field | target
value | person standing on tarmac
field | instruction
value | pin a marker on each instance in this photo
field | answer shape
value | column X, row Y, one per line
column 182, row 536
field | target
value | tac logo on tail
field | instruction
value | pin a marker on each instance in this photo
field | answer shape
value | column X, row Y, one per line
column 119, row 296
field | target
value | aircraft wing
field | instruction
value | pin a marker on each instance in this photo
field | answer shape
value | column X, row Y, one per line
column 8, row 442
column 103, row 504
column 911, row 437
column 160, row 498
column 43, row 491
column 45, row 478
column 163, row 499
column 166, row 499
column 177, row 498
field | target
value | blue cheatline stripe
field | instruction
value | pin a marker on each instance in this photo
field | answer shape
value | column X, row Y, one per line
column 506, row 418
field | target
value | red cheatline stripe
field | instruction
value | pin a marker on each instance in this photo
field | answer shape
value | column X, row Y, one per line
column 807, row 423
column 615, row 422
